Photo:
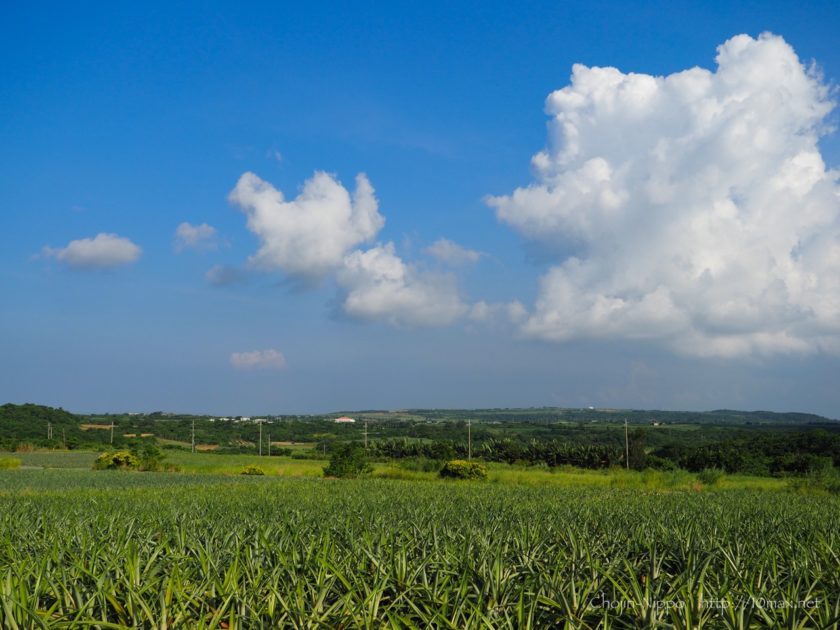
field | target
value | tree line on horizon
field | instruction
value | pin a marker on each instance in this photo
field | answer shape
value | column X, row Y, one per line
column 754, row 449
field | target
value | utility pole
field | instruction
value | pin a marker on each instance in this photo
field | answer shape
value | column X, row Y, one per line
column 112, row 430
column 469, row 440
column 192, row 440
column 626, row 446
column 49, row 430
column 366, row 434
column 260, row 423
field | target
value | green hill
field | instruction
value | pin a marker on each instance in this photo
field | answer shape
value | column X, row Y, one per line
column 32, row 423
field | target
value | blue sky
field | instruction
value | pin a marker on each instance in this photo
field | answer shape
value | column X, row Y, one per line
column 641, row 262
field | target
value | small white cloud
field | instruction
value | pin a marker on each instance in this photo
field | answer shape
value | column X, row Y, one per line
column 258, row 360
column 309, row 236
column 274, row 154
column 200, row 237
column 378, row 285
column 103, row 251
column 505, row 312
column 693, row 210
column 451, row 253
column 224, row 275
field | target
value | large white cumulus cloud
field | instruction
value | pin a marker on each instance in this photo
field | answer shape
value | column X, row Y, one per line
column 310, row 235
column 693, row 209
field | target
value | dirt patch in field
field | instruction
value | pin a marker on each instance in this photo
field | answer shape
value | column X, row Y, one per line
column 89, row 427
column 206, row 447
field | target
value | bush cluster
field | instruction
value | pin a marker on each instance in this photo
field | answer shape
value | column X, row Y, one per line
column 146, row 456
column 117, row 460
column 348, row 461
column 461, row 469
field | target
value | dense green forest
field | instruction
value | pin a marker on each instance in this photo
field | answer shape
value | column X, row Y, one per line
column 756, row 442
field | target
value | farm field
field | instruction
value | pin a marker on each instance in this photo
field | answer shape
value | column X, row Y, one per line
column 112, row 549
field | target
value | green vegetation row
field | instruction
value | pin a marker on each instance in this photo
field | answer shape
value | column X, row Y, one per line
column 110, row 549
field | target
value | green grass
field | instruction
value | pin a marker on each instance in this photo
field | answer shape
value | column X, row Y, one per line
column 55, row 459
column 211, row 463
column 208, row 463
column 113, row 550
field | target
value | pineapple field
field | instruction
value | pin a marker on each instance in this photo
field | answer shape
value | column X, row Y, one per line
column 82, row 549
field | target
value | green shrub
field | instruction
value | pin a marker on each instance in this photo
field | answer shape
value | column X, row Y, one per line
column 8, row 463
column 150, row 457
column 461, row 469
column 252, row 470
column 710, row 476
column 144, row 456
column 348, row 461
column 117, row 460
column 660, row 463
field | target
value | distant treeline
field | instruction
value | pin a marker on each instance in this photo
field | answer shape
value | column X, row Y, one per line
column 550, row 453
column 761, row 454
column 807, row 444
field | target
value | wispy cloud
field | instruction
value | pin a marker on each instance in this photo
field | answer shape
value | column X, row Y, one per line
column 258, row 360
column 201, row 237
column 452, row 253
column 224, row 276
